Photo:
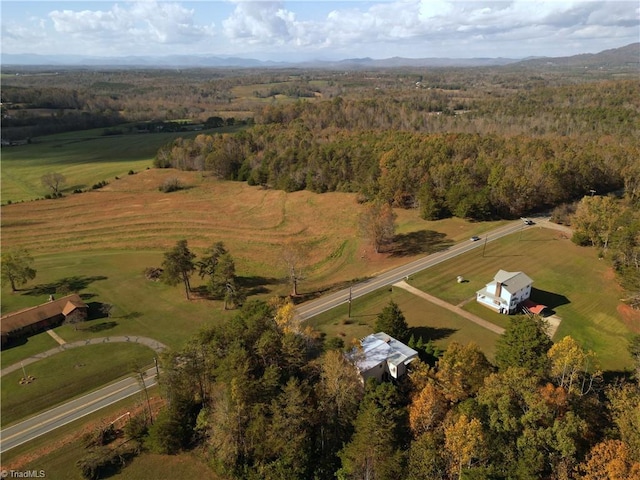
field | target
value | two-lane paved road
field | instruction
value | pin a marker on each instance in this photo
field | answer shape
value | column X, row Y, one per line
column 47, row 421
column 327, row 302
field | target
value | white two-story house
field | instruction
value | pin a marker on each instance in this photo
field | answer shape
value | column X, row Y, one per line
column 506, row 292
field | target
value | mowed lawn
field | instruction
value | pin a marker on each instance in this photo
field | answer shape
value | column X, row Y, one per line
column 571, row 280
column 426, row 320
column 67, row 374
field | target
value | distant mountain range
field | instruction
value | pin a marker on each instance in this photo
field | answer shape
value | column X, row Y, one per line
column 627, row 56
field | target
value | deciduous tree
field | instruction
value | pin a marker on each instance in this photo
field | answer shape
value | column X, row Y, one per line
column 572, row 367
column 464, row 443
column 17, row 267
column 427, row 409
column 462, row 370
column 178, row 265
column 53, row 181
column 294, row 256
column 610, row 460
column 378, row 224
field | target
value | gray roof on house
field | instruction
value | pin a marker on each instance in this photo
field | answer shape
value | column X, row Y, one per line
column 512, row 281
column 380, row 347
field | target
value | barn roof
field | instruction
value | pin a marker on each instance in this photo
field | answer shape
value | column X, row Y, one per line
column 31, row 315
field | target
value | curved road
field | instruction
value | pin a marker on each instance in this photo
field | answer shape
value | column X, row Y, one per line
column 47, row 421
column 149, row 342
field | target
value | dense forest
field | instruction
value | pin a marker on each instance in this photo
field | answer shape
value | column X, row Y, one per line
column 555, row 145
column 260, row 398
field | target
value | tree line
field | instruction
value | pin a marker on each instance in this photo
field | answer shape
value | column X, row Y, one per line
column 465, row 175
column 260, row 396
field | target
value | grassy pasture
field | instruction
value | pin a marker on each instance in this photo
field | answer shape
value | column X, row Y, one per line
column 99, row 243
column 66, row 375
column 84, row 158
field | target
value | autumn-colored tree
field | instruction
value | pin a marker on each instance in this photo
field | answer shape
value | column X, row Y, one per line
column 427, row 409
column 285, row 315
column 609, row 460
column 624, row 404
column 572, row 367
column 464, row 443
column 378, row 224
column 461, row 371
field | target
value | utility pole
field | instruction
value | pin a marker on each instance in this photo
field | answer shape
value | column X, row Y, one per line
column 484, row 246
column 350, row 298
column 144, row 387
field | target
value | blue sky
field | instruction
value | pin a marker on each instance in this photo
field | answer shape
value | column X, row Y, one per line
column 311, row 29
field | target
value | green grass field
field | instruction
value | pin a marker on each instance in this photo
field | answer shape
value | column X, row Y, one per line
column 84, row 158
column 569, row 279
column 141, row 307
column 66, row 375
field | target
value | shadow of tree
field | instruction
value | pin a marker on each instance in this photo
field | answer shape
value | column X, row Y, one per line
column 334, row 287
column 99, row 327
column 70, row 284
column 257, row 284
column 422, row 241
column 431, row 333
column 550, row 299
column 131, row 315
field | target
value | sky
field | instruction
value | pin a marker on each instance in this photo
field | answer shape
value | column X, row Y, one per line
column 318, row 30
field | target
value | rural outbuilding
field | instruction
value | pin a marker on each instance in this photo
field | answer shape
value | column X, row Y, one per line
column 36, row 319
column 506, row 292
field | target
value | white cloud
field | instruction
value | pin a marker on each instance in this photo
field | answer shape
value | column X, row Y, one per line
column 379, row 28
column 138, row 25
